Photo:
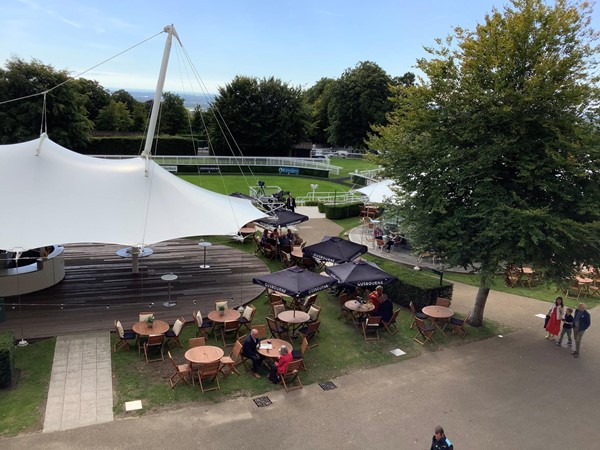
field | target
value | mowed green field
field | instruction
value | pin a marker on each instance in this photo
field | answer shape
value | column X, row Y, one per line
column 299, row 186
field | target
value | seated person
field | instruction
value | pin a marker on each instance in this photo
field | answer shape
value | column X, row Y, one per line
column 377, row 233
column 376, row 298
column 386, row 309
column 390, row 242
column 279, row 368
column 284, row 241
column 249, row 351
column 265, row 236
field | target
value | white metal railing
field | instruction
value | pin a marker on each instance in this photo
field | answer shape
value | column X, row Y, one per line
column 330, row 197
column 268, row 161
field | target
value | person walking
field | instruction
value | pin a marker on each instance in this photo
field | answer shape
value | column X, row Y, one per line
column 581, row 322
column 556, row 314
column 567, row 328
column 290, row 203
column 440, row 441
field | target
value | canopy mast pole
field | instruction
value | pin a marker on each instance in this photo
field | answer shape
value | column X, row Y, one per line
column 170, row 30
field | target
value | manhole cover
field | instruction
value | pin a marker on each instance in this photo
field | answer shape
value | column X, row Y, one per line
column 327, row 385
column 263, row 401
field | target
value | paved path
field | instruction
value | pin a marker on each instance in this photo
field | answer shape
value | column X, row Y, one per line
column 80, row 391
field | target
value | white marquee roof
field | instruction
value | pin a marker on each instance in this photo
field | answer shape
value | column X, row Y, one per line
column 379, row 192
column 51, row 195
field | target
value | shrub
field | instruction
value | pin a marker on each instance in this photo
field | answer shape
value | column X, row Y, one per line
column 342, row 211
column 403, row 293
column 7, row 358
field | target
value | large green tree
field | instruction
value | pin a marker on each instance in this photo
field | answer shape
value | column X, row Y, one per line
column 20, row 120
column 114, row 117
column 96, row 97
column 358, row 100
column 174, row 117
column 497, row 149
column 317, row 98
column 261, row 116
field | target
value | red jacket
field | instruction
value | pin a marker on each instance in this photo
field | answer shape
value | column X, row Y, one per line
column 283, row 363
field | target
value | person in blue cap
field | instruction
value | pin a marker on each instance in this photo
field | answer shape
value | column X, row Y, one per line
column 440, row 441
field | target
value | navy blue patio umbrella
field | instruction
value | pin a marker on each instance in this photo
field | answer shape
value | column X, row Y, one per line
column 360, row 274
column 335, row 249
column 295, row 282
column 281, row 218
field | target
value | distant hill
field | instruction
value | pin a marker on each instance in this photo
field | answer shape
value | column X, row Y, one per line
column 189, row 100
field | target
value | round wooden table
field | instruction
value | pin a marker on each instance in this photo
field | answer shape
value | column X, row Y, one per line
column 247, row 230
column 275, row 345
column 359, row 310
column 438, row 314
column 204, row 354
column 294, row 318
column 158, row 327
column 229, row 315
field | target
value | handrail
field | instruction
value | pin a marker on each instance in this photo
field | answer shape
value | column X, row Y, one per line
column 269, row 161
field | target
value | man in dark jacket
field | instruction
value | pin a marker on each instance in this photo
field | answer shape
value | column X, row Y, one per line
column 290, row 203
column 581, row 322
column 249, row 351
column 440, row 441
column 386, row 309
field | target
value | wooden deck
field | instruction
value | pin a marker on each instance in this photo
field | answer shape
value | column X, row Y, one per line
column 100, row 287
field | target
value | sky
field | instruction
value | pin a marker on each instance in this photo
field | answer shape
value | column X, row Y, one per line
column 298, row 42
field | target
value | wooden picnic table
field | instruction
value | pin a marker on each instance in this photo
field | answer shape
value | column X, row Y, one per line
column 438, row 314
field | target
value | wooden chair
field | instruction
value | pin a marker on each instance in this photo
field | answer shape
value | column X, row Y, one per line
column 247, row 318
column 154, row 342
column 231, row 327
column 197, row 342
column 371, row 326
column 314, row 312
column 308, row 302
column 205, row 326
column 144, row 315
column 262, row 330
column 219, row 303
column 277, row 309
column 416, row 315
column 425, row 330
column 207, row 373
column 290, row 379
column 345, row 312
column 182, row 371
column 172, row 335
column 286, row 260
column 124, row 336
column 380, row 244
column 458, row 325
column 299, row 354
column 391, row 326
column 310, row 332
column 441, row 301
column 232, row 360
column 575, row 287
column 277, row 331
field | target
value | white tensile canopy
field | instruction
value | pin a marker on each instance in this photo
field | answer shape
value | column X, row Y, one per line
column 52, row 195
column 379, row 192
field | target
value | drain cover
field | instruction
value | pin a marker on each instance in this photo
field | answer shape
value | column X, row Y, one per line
column 263, row 401
column 327, row 385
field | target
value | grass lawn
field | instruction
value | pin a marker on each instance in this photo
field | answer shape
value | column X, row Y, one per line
column 342, row 350
column 22, row 407
column 349, row 165
column 227, row 184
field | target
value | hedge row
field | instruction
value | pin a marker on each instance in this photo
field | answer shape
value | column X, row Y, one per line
column 403, row 293
column 7, row 359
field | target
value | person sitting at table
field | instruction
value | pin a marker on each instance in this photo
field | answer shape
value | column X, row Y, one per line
column 280, row 367
column 376, row 298
column 265, row 236
column 378, row 233
column 249, row 351
column 284, row 241
column 386, row 309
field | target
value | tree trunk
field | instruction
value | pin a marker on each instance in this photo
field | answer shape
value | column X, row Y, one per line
column 476, row 319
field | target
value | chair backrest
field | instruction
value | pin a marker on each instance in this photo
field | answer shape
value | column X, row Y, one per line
column 155, row 340
column 198, row 318
column 313, row 327
column 119, row 329
column 237, row 349
column 412, row 308
column 232, row 325
column 209, row 370
column 303, row 345
column 314, row 312
column 197, row 342
column 144, row 315
column 441, row 301
column 262, row 330
column 394, row 316
column 272, row 324
column 178, row 325
column 249, row 312
column 467, row 317
column 293, row 366
column 424, row 329
column 310, row 300
column 275, row 298
column 172, row 361
column 373, row 321
column 278, row 309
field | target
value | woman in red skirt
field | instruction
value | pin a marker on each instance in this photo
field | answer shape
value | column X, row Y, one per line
column 556, row 314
